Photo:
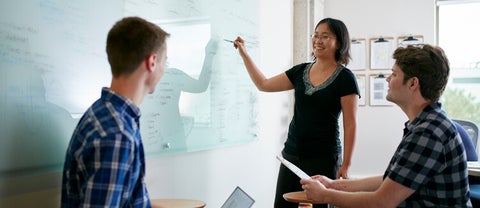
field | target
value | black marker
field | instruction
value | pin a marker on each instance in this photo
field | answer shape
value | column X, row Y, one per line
column 231, row 41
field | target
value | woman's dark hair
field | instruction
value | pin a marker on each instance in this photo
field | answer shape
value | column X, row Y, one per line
column 339, row 29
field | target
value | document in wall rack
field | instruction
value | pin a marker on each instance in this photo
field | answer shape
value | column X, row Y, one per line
column 404, row 41
column 379, row 90
column 381, row 50
column 359, row 54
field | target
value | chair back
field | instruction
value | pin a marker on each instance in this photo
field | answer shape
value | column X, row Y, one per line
column 471, row 128
column 468, row 143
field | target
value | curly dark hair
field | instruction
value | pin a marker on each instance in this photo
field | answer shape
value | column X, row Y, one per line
column 429, row 64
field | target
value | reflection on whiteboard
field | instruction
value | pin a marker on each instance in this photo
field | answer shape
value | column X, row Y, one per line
column 186, row 112
column 185, row 65
column 182, row 97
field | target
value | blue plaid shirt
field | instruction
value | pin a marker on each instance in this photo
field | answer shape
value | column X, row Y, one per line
column 105, row 165
column 431, row 160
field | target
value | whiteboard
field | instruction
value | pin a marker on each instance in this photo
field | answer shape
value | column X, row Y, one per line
column 53, row 65
column 181, row 116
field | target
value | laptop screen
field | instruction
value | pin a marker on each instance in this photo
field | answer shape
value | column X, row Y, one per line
column 238, row 199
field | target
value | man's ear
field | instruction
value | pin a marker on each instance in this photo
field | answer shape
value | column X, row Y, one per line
column 414, row 83
column 151, row 61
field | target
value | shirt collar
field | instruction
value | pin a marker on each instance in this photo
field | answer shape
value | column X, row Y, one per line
column 433, row 107
column 125, row 104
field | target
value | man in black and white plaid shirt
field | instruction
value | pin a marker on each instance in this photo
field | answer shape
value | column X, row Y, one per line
column 429, row 167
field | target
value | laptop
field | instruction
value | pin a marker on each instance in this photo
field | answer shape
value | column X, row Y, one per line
column 238, row 199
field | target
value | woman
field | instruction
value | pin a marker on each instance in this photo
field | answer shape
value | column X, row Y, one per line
column 323, row 90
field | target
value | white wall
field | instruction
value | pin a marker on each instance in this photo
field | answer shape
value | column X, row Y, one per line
column 380, row 128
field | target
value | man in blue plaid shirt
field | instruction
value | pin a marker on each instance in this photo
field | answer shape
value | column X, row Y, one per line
column 429, row 167
column 104, row 165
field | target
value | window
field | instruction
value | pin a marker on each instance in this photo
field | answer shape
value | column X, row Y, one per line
column 459, row 36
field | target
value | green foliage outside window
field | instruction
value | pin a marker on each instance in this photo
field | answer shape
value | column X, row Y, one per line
column 461, row 105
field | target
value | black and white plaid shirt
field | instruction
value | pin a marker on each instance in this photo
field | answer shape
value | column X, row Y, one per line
column 431, row 160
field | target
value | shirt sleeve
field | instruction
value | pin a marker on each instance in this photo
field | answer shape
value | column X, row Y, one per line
column 420, row 156
column 349, row 83
column 110, row 171
column 295, row 73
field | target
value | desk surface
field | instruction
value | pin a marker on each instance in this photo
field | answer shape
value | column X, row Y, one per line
column 297, row 197
column 177, row 203
column 474, row 168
